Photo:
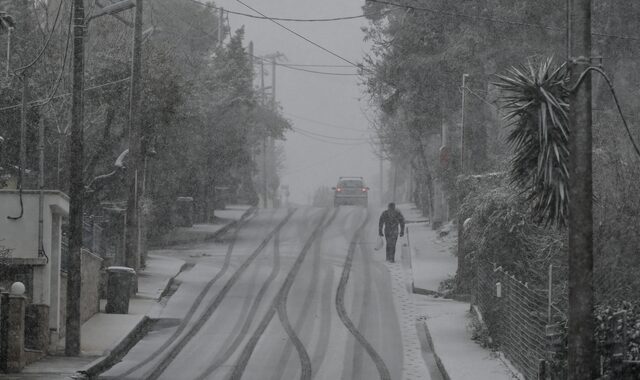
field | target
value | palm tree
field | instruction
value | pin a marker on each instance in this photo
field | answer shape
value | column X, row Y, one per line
column 536, row 100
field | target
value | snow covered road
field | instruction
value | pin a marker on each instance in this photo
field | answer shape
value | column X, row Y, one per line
column 291, row 294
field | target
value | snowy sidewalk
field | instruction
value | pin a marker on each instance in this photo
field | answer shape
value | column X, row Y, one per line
column 446, row 321
column 432, row 258
column 448, row 326
column 203, row 232
column 106, row 334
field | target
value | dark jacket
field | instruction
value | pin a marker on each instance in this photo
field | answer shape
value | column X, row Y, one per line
column 391, row 219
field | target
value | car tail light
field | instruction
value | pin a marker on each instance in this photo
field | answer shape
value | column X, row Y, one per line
column 364, row 189
column 338, row 189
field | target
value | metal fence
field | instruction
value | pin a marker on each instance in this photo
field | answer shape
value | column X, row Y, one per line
column 517, row 317
column 93, row 240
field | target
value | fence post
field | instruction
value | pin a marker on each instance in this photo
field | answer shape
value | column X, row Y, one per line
column 542, row 370
column 550, row 294
column 4, row 330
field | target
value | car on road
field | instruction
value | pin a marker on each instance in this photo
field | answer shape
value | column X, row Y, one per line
column 350, row 191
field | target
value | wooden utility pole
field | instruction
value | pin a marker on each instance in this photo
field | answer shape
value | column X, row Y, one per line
column 264, row 139
column 221, row 28
column 464, row 86
column 273, row 83
column 132, row 256
column 381, row 176
column 76, row 189
column 23, row 128
column 582, row 360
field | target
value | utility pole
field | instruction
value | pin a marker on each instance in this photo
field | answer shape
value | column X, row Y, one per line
column 273, row 83
column 271, row 142
column 464, row 86
column 264, row 139
column 132, row 254
column 23, row 127
column 221, row 28
column 381, row 177
column 76, row 189
column 9, row 30
column 581, row 354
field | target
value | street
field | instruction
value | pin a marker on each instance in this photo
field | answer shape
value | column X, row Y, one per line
column 289, row 294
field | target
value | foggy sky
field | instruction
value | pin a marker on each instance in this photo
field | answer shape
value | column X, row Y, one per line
column 335, row 100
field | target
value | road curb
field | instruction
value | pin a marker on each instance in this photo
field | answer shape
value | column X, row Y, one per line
column 207, row 237
column 441, row 367
column 230, row 225
column 103, row 363
column 120, row 350
column 98, row 366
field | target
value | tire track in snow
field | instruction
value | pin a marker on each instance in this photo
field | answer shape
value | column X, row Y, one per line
column 184, row 340
column 364, row 314
column 306, row 307
column 243, row 360
column 221, row 358
column 342, row 312
column 196, row 303
column 322, row 345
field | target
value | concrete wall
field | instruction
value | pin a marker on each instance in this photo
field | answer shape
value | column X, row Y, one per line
column 90, row 291
column 91, row 266
column 21, row 236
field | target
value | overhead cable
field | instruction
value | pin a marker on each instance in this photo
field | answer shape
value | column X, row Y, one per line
column 456, row 14
column 300, row 36
column 56, row 85
column 493, row 19
column 46, row 43
column 316, row 65
column 315, row 71
column 41, row 102
column 262, row 17
column 323, row 123
column 331, row 137
column 334, row 142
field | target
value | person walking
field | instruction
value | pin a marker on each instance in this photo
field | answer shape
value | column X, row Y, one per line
column 391, row 219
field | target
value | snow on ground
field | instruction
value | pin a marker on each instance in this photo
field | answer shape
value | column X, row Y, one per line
column 157, row 272
column 431, row 255
column 447, row 322
column 414, row 367
column 202, row 232
column 232, row 212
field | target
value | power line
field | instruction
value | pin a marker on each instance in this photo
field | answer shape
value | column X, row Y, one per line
column 327, row 141
column 316, row 65
column 315, row 71
column 300, row 36
column 330, row 137
column 448, row 13
column 299, row 66
column 323, row 123
column 262, row 17
column 496, row 20
column 46, row 43
column 41, row 102
column 56, row 85
column 615, row 99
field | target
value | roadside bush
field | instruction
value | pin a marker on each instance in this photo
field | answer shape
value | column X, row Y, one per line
column 500, row 230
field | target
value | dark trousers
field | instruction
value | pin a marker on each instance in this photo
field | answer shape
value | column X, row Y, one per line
column 391, row 246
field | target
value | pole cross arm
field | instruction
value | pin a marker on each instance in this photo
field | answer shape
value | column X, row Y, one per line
column 113, row 9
